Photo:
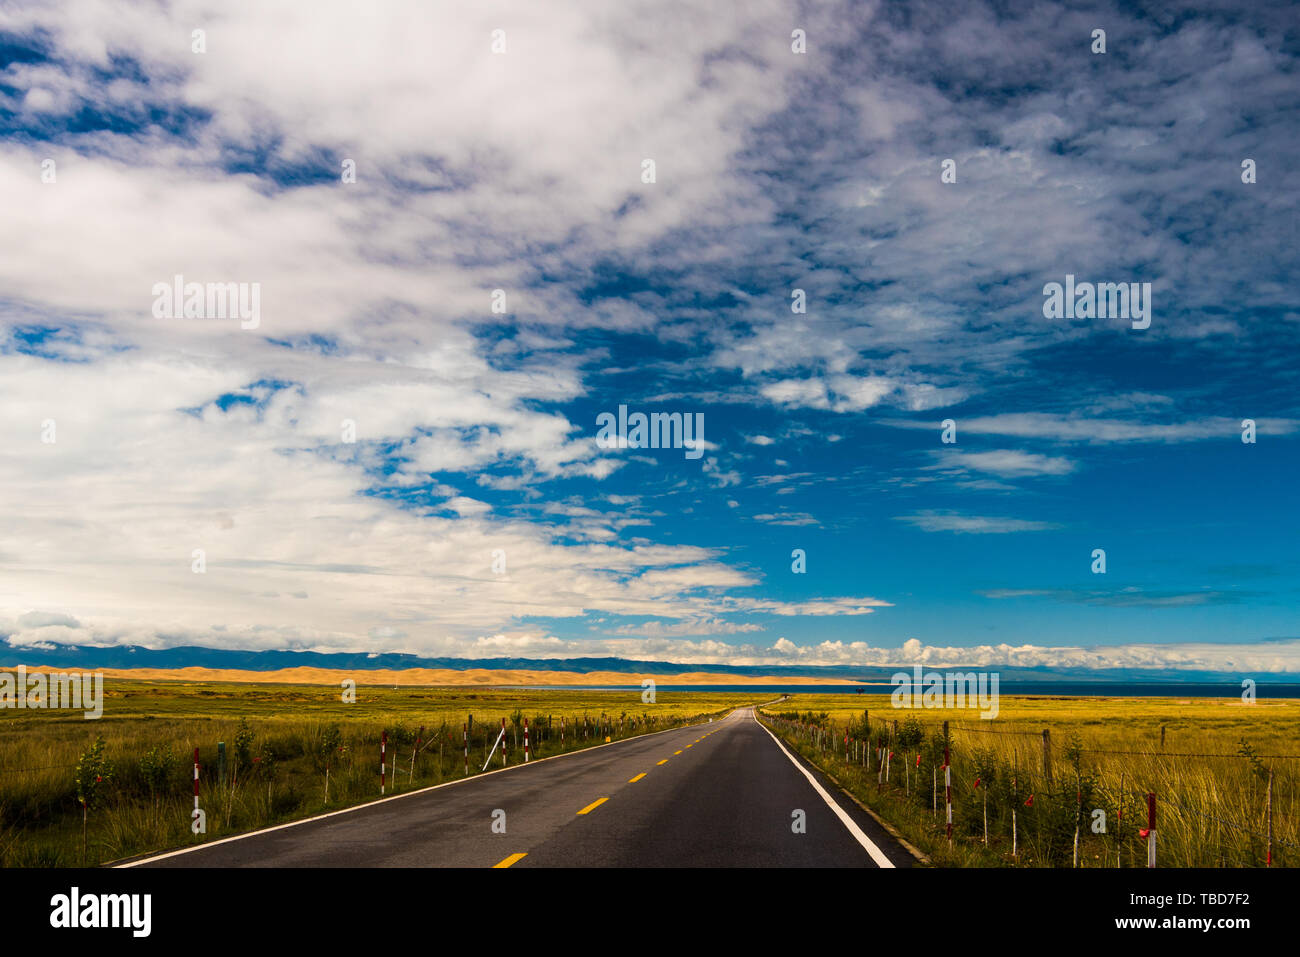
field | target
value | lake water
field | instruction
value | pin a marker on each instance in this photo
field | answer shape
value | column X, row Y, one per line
column 1052, row 688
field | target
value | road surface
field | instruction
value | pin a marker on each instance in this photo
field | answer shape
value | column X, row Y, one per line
column 720, row 794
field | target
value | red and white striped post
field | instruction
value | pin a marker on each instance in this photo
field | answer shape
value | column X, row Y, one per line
column 383, row 760
column 561, row 732
column 947, row 781
column 1151, row 829
column 503, row 742
column 196, row 779
column 464, row 727
column 525, row 740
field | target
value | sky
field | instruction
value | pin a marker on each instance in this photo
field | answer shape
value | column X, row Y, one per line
column 799, row 271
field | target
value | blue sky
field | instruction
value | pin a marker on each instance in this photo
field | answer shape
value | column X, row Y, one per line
column 775, row 171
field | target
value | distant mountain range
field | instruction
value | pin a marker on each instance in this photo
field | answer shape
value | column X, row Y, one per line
column 129, row 656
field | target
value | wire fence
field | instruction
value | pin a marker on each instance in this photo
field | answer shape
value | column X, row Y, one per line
column 865, row 749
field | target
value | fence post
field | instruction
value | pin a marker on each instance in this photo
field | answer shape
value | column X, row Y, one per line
column 947, row 780
column 1015, row 799
column 1047, row 755
column 1151, row 829
column 1268, row 862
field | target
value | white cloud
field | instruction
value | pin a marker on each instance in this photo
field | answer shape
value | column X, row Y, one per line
column 937, row 521
column 1073, row 428
column 1008, row 463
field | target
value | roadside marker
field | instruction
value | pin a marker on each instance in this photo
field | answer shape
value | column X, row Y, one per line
column 208, row 845
column 947, row 781
column 512, row 859
column 1151, row 830
column 637, row 778
column 383, row 745
column 593, row 805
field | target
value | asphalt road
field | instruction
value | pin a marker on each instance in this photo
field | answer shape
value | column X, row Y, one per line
column 714, row 795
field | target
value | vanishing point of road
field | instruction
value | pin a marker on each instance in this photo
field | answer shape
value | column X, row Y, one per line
column 720, row 794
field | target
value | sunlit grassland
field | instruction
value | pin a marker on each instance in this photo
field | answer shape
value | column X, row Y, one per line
column 280, row 741
column 1210, row 775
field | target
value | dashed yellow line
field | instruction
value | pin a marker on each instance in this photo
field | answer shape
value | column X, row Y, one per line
column 664, row 761
column 690, row 746
column 593, row 805
column 512, row 859
column 637, row 778
column 676, row 752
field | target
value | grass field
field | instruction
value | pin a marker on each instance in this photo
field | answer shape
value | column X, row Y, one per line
column 1208, row 761
column 282, row 744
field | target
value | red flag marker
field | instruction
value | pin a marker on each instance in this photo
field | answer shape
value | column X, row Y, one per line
column 1030, row 802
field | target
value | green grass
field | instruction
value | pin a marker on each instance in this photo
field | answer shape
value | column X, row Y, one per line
column 151, row 729
column 1105, row 754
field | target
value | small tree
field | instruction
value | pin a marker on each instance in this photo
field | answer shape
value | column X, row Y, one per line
column 93, row 774
column 156, row 767
column 265, row 762
column 243, row 747
column 910, row 733
column 327, row 748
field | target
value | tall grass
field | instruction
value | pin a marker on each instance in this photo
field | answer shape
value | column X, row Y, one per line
column 279, row 745
column 1210, row 780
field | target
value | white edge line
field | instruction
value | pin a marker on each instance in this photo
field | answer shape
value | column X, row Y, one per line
column 398, row 797
column 876, row 853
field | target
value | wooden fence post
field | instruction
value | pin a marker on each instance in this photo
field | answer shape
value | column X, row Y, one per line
column 1268, row 861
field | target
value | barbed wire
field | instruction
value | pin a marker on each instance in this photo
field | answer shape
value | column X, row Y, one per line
column 1164, row 754
column 1164, row 799
column 48, row 767
column 1202, row 813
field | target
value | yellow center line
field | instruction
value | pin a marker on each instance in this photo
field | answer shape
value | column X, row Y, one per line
column 512, row 859
column 592, row 806
column 637, row 778
column 690, row 745
column 664, row 761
